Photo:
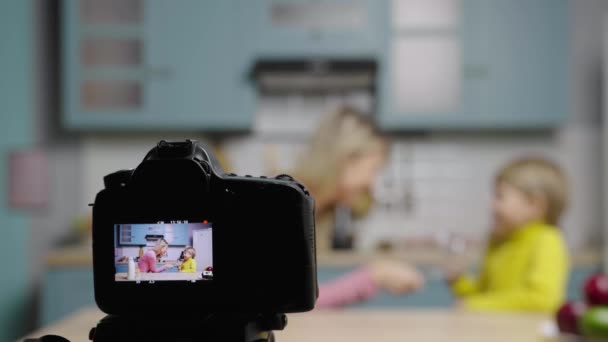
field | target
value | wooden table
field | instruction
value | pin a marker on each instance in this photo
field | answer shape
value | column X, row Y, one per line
column 121, row 276
column 366, row 326
column 82, row 255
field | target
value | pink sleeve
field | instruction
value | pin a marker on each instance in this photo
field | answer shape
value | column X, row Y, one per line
column 147, row 263
column 352, row 287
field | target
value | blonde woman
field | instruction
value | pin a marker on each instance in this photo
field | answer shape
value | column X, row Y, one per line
column 147, row 262
column 339, row 166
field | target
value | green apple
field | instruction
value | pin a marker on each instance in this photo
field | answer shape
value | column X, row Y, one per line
column 594, row 322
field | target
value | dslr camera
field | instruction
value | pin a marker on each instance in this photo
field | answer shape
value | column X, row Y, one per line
column 248, row 242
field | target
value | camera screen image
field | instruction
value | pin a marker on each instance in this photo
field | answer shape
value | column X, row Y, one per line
column 163, row 251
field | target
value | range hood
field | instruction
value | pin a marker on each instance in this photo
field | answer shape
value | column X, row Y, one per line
column 152, row 239
column 314, row 75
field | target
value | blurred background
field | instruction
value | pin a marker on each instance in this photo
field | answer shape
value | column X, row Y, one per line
column 459, row 86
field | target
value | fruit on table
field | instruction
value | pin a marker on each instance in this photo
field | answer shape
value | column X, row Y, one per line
column 596, row 290
column 568, row 316
column 594, row 322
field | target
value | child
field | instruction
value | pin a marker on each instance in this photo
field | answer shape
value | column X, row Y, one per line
column 189, row 264
column 525, row 266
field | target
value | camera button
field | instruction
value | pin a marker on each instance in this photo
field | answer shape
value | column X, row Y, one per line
column 284, row 177
column 303, row 188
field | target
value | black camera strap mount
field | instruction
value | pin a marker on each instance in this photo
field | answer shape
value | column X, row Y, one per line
column 212, row 328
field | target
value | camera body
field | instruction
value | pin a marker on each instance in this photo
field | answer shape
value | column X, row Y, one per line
column 254, row 239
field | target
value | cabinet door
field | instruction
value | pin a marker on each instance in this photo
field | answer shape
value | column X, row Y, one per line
column 195, row 71
column 528, row 46
column 505, row 66
column 151, row 64
column 102, row 62
column 421, row 79
column 139, row 237
column 64, row 291
column 303, row 28
column 179, row 235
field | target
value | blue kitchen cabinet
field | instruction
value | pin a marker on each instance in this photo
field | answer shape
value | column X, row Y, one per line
column 510, row 68
column 528, row 48
column 64, row 291
column 137, row 237
column 180, row 238
column 312, row 28
column 153, row 64
column 178, row 235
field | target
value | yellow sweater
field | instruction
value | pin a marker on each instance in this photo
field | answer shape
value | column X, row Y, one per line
column 526, row 272
column 188, row 266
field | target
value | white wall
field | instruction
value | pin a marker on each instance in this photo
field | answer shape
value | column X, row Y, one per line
column 173, row 253
column 202, row 243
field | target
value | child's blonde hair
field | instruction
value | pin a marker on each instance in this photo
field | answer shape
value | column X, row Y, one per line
column 191, row 249
column 538, row 177
column 160, row 243
column 342, row 135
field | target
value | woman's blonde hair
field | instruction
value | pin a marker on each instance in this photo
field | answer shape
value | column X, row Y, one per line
column 541, row 178
column 160, row 243
column 342, row 135
column 191, row 249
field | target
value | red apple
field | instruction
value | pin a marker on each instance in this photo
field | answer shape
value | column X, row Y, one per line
column 568, row 315
column 596, row 290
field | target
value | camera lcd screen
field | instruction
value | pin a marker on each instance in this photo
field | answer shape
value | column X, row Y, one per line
column 163, row 251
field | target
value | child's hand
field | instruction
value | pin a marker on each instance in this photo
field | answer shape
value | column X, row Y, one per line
column 395, row 277
column 452, row 272
column 453, row 269
column 459, row 305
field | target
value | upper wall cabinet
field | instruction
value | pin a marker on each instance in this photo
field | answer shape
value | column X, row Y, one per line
column 473, row 64
column 442, row 64
column 154, row 64
column 305, row 28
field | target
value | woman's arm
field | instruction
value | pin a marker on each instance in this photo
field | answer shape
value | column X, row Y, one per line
column 149, row 263
column 353, row 287
column 364, row 283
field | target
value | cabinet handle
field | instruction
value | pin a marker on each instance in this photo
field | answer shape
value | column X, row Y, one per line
column 159, row 73
column 315, row 34
column 476, row 72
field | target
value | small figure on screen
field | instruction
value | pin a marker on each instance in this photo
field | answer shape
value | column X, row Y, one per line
column 189, row 264
column 147, row 263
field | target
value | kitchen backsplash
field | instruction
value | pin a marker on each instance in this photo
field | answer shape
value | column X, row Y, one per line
column 436, row 184
column 433, row 184
column 173, row 253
